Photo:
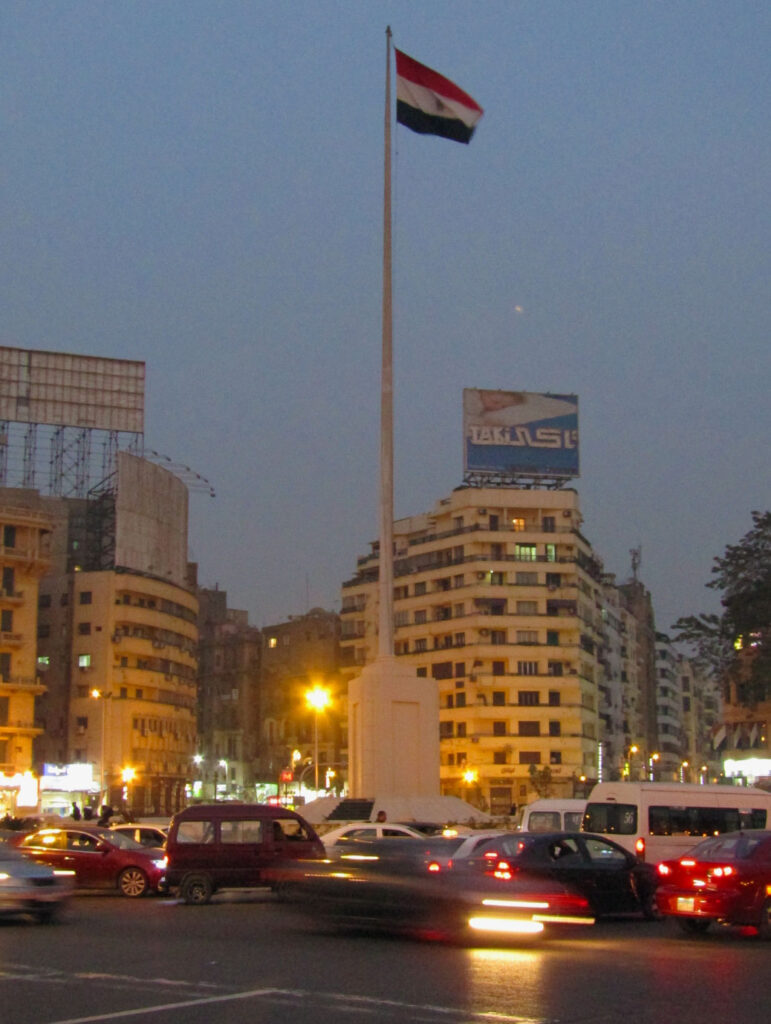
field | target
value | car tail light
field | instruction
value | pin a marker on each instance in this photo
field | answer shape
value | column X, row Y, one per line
column 503, row 869
column 639, row 848
column 687, row 862
column 492, row 855
column 664, row 869
column 434, row 867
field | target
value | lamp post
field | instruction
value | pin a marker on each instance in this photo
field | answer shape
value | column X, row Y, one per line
column 223, row 764
column 683, row 767
column 317, row 699
column 103, row 696
column 651, row 762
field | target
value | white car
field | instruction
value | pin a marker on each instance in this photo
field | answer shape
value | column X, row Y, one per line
column 344, row 834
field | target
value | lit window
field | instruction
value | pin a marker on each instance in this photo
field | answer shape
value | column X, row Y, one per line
column 84, row 661
column 273, row 642
column 518, row 523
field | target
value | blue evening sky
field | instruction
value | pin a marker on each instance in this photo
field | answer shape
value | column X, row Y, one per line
column 199, row 185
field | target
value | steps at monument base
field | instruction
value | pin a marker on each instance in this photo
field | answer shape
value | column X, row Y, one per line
column 352, row 810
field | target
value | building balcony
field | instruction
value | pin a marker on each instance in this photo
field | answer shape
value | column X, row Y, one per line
column 11, row 639
column 19, row 728
column 28, row 684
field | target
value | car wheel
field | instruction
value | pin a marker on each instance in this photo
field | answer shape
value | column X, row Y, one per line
column 284, row 891
column 650, row 908
column 132, row 882
column 694, row 925
column 196, row 890
column 47, row 915
column 764, row 925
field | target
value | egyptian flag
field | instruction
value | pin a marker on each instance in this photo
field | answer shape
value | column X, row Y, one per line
column 431, row 104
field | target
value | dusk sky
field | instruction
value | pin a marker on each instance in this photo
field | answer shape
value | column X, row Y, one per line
column 199, row 185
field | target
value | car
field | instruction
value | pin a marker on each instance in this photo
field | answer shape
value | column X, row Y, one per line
column 343, row 834
column 394, row 885
column 146, row 835
column 443, row 851
column 613, row 880
column 725, row 879
column 100, row 858
column 31, row 889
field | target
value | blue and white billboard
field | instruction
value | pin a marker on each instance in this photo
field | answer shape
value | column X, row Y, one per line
column 520, row 434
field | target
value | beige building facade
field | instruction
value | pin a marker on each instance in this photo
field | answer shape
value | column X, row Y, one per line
column 495, row 598
column 25, row 534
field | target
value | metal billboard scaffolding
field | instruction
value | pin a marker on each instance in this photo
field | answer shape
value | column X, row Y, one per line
column 64, row 418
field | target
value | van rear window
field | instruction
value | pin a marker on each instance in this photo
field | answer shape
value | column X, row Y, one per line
column 195, row 832
column 544, row 821
column 611, row 819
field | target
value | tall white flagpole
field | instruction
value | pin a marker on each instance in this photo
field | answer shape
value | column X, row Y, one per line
column 385, row 590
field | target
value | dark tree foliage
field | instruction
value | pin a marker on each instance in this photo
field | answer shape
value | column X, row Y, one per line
column 736, row 645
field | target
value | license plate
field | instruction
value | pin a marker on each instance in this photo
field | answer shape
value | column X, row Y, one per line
column 686, row 903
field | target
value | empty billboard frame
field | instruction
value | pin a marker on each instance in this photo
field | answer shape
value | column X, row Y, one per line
column 60, row 389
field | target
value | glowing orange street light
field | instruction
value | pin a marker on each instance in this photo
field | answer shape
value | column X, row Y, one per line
column 318, row 699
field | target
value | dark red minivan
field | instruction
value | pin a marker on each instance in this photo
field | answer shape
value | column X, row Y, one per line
column 232, row 846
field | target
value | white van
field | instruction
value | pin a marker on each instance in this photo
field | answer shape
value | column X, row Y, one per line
column 553, row 816
column 661, row 820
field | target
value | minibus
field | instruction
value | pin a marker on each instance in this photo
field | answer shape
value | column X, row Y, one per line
column 232, row 845
column 553, row 815
column 661, row 820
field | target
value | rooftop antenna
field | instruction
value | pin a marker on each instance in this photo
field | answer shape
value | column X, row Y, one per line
column 636, row 554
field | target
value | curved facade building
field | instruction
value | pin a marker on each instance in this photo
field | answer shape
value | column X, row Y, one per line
column 25, row 534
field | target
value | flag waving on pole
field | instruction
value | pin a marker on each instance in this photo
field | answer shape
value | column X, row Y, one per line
column 431, row 104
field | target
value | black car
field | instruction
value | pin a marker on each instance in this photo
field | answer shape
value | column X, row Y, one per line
column 613, row 880
column 397, row 885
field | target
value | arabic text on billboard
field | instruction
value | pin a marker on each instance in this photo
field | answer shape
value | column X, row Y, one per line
column 520, row 433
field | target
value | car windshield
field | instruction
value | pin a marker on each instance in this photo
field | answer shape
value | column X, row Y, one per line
column 726, row 847
column 121, row 840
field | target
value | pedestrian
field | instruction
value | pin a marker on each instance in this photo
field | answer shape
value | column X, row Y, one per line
column 105, row 813
column 76, row 815
column 381, row 816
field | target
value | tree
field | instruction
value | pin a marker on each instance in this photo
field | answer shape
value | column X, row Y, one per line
column 736, row 645
column 540, row 779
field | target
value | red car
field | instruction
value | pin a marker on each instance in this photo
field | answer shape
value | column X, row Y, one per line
column 100, row 858
column 726, row 879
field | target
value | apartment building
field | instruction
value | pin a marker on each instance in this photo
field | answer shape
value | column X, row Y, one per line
column 228, row 699
column 299, row 655
column 117, row 640
column 495, row 598
column 25, row 533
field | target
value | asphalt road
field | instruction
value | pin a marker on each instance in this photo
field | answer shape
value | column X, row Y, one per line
column 252, row 959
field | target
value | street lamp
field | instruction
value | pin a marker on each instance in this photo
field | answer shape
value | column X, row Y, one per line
column 317, row 699
column 683, row 766
column 127, row 776
column 103, row 696
column 651, row 761
column 223, row 764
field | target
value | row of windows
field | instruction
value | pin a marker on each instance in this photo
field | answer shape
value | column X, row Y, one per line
column 525, row 698
column 502, row 757
column 491, row 577
column 501, row 728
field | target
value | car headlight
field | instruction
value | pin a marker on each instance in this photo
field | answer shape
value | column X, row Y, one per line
column 160, row 864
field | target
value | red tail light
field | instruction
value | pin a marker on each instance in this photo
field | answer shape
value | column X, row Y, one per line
column 723, row 871
column 639, row 847
column 664, row 869
column 433, row 867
